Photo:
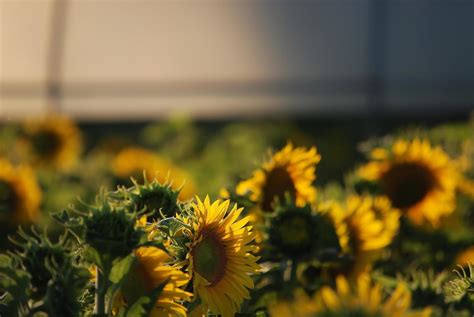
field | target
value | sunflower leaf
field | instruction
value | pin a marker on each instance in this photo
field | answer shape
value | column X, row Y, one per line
column 143, row 306
column 121, row 268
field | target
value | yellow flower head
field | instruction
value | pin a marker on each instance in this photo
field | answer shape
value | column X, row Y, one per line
column 418, row 178
column 53, row 142
column 365, row 225
column 291, row 170
column 465, row 257
column 364, row 299
column 132, row 161
column 149, row 271
column 20, row 194
column 219, row 258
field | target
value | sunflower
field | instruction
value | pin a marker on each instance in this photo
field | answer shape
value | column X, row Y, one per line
column 364, row 225
column 419, row 179
column 20, row 194
column 291, row 170
column 219, row 257
column 149, row 271
column 53, row 142
column 293, row 232
column 132, row 161
column 465, row 257
column 365, row 299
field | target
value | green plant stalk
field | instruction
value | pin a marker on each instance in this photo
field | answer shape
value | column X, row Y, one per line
column 294, row 267
column 100, row 290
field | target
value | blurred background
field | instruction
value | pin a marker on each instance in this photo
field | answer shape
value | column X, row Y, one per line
column 143, row 60
column 188, row 79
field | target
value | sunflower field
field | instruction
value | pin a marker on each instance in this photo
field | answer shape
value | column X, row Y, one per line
column 240, row 219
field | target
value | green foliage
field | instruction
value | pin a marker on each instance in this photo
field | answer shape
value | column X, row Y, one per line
column 157, row 200
column 143, row 305
column 107, row 228
column 41, row 276
column 300, row 247
column 461, row 287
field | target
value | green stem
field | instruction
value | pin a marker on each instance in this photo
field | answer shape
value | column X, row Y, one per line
column 294, row 267
column 100, row 289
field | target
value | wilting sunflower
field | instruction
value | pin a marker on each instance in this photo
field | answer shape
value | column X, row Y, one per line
column 20, row 194
column 291, row 170
column 52, row 142
column 419, row 179
column 149, row 271
column 365, row 299
column 219, row 258
column 132, row 161
column 365, row 225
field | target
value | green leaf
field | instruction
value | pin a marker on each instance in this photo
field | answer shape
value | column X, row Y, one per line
column 144, row 305
column 5, row 261
column 91, row 255
column 121, row 268
column 171, row 225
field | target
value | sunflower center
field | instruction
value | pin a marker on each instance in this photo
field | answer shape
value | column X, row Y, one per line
column 137, row 283
column 406, row 184
column 8, row 198
column 209, row 258
column 46, row 143
column 277, row 184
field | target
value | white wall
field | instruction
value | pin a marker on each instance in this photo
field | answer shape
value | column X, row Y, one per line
column 218, row 58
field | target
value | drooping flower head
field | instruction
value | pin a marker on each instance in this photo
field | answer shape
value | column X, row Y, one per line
column 220, row 258
column 53, row 142
column 20, row 194
column 291, row 170
column 418, row 178
column 133, row 161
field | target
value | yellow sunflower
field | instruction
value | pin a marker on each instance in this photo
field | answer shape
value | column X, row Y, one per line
column 364, row 299
column 149, row 271
column 465, row 257
column 132, row 161
column 364, row 225
column 53, row 142
column 20, row 194
column 291, row 170
column 219, row 259
column 418, row 178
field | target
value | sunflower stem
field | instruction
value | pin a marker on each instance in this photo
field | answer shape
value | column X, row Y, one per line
column 294, row 266
column 100, row 289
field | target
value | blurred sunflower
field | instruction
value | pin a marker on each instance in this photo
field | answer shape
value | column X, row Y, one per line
column 149, row 271
column 20, row 194
column 466, row 165
column 291, row 231
column 365, row 225
column 365, row 299
column 52, row 142
column 291, row 170
column 465, row 257
column 132, row 161
column 219, row 258
column 419, row 179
